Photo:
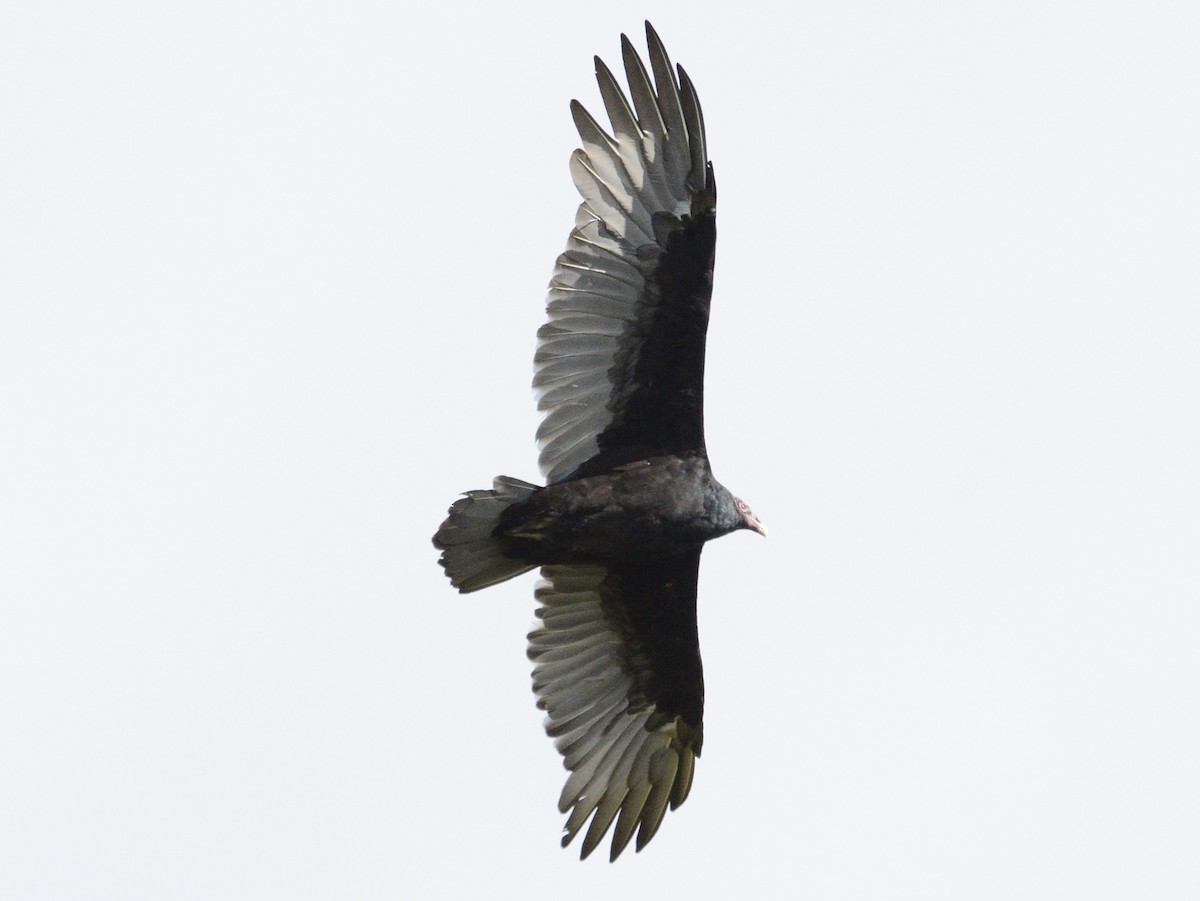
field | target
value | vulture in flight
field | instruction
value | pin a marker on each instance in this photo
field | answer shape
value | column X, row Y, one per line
column 630, row 497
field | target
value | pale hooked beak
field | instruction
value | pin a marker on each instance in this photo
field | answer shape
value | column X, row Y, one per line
column 753, row 522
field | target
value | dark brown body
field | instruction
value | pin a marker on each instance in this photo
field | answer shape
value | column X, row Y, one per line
column 649, row 509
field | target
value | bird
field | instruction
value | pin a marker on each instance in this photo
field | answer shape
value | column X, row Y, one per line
column 630, row 497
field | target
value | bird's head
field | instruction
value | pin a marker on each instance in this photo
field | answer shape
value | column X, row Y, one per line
column 749, row 520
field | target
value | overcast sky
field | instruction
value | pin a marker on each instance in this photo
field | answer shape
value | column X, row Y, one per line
column 270, row 275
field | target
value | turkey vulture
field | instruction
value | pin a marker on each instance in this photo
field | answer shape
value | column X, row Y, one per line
column 630, row 497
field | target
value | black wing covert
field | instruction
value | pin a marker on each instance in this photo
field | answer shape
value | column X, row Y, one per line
column 617, row 670
column 619, row 368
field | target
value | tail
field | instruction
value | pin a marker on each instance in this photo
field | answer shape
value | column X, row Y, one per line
column 470, row 555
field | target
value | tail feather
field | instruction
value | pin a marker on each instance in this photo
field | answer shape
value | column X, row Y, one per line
column 471, row 557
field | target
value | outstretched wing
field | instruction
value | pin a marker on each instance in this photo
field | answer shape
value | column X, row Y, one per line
column 617, row 670
column 619, row 368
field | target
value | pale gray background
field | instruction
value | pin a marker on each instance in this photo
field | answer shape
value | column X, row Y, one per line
column 270, row 278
